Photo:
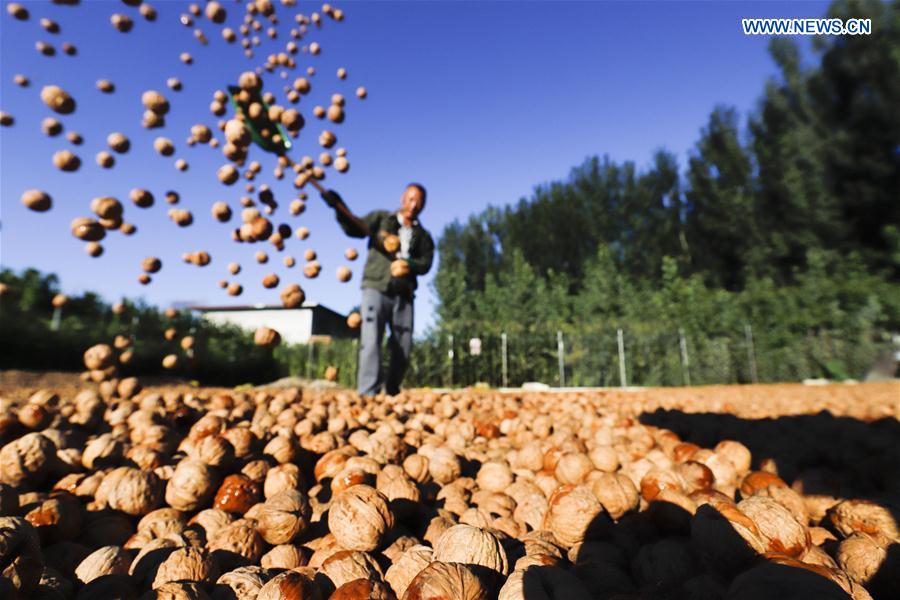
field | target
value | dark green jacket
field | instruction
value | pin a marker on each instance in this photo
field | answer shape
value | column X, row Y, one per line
column 377, row 272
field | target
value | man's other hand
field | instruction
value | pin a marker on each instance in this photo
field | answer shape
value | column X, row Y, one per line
column 390, row 242
column 399, row 268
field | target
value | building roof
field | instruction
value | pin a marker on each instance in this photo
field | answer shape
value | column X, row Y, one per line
column 250, row 307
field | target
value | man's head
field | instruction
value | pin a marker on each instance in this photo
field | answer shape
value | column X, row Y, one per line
column 412, row 201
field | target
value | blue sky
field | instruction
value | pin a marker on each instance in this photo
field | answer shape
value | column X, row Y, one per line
column 480, row 101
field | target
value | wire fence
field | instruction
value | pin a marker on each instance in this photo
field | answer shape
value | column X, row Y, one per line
column 618, row 357
column 609, row 357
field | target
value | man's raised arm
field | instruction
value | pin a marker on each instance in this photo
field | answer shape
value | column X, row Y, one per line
column 350, row 223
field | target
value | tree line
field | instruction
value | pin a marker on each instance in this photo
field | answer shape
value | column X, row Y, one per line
column 788, row 218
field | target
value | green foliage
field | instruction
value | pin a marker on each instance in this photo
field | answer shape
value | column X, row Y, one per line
column 222, row 354
column 789, row 224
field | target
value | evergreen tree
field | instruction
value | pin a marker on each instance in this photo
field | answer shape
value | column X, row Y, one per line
column 721, row 211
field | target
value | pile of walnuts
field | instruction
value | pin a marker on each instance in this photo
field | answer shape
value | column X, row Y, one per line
column 123, row 492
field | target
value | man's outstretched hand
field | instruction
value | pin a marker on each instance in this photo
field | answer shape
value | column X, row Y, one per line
column 357, row 227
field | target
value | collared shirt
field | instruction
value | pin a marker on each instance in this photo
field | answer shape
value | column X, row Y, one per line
column 405, row 235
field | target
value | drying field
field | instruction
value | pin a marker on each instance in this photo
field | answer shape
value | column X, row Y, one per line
column 163, row 490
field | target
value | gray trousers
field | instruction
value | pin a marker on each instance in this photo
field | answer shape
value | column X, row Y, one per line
column 378, row 310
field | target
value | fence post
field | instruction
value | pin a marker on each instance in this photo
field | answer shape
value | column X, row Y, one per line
column 561, row 356
column 355, row 362
column 190, row 351
column 450, row 357
column 685, row 359
column 751, row 354
column 134, row 324
column 622, row 380
column 504, row 366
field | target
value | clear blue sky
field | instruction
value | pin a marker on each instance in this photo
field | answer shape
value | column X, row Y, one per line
column 478, row 101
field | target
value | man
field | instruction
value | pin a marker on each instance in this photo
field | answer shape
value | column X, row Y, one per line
column 400, row 250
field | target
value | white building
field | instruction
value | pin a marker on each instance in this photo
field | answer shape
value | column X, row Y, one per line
column 310, row 322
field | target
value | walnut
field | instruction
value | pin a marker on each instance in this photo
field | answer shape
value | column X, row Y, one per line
column 323, row 547
column 347, row 565
column 20, row 555
column 145, row 458
column 237, row 494
column 108, row 560
column 757, row 480
column 861, row 516
column 57, row 100
column 571, row 510
column 573, row 468
column 443, row 465
column 281, row 478
column 132, row 491
column 494, row 476
column 214, row 450
column 211, row 520
column 537, row 560
column 57, row 518
column 292, row 296
column 531, row 510
column 285, row 556
column 187, row 564
column 694, row 476
column 725, row 537
column 657, row 479
column 447, row 580
column 547, row 482
column 146, row 564
column 359, row 518
column 778, row 528
column 238, row 542
column 256, row 470
column 191, row 486
column 53, row 585
column 723, row 470
column 289, row 585
column 154, row 101
column 864, row 557
column 284, row 516
column 787, row 498
column 818, row 556
column 403, row 570
column 416, row 468
column 162, row 522
column 438, row 525
column 242, row 440
column 241, row 584
column 616, row 493
column 470, row 545
column 737, row 453
column 27, row 459
column 363, row 589
column 282, row 448
column 401, row 492
column 177, row 590
column 331, row 463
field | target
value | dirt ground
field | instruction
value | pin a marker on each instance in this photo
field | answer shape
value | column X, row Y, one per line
column 864, row 401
